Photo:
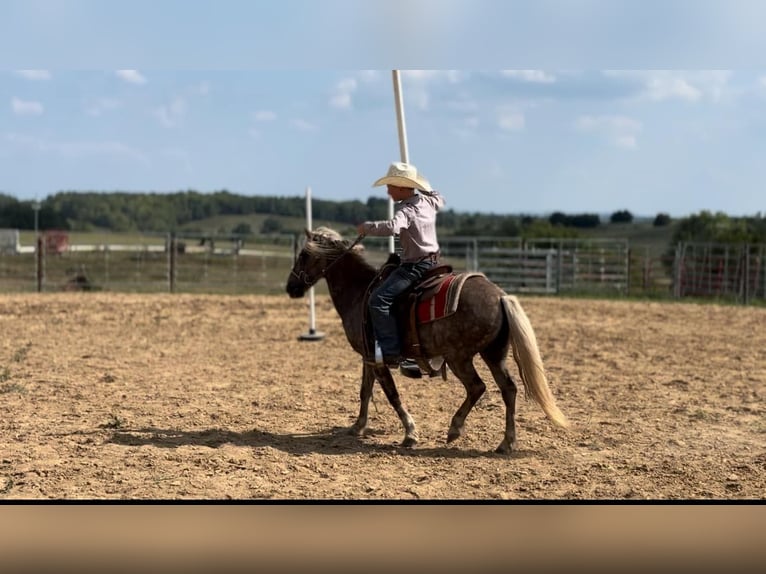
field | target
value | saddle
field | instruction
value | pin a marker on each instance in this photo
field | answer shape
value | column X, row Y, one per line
column 413, row 307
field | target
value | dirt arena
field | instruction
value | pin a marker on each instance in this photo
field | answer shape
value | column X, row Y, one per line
column 116, row 396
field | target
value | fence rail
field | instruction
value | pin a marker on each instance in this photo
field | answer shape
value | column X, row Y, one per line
column 261, row 264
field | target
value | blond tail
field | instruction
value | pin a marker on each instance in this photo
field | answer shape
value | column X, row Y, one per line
column 527, row 357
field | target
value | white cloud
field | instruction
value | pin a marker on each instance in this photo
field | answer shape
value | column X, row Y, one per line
column 495, row 170
column 34, row 74
column 533, row 76
column 171, row 115
column 26, row 108
column 510, row 121
column 620, row 131
column 463, row 105
column 450, row 76
column 131, row 76
column 689, row 86
column 341, row 98
column 416, row 85
column 102, row 105
column 264, row 116
column 661, row 88
column 303, row 125
column 467, row 127
column 77, row 149
column 369, row 75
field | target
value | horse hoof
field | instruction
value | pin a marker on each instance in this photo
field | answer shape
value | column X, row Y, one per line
column 505, row 448
column 409, row 442
column 356, row 430
column 453, row 434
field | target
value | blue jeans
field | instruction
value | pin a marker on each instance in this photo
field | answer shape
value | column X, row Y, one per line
column 382, row 298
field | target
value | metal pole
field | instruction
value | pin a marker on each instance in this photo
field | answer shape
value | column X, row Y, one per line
column 312, row 334
column 400, row 122
column 38, row 252
column 402, row 129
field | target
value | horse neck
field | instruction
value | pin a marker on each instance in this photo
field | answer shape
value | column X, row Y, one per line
column 347, row 281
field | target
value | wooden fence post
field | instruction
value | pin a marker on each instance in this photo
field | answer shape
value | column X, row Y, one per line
column 39, row 263
column 172, row 262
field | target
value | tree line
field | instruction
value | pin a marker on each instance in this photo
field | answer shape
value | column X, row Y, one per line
column 165, row 212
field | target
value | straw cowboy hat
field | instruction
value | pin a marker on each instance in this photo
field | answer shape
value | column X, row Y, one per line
column 404, row 175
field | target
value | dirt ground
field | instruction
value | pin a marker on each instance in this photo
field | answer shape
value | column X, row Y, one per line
column 118, row 396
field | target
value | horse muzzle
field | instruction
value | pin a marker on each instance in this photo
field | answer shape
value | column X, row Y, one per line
column 295, row 289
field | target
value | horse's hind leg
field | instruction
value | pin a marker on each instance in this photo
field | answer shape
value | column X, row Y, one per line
column 389, row 388
column 464, row 370
column 495, row 359
column 365, row 394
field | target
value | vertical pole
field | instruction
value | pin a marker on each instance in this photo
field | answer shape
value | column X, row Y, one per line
column 38, row 254
column 172, row 263
column 402, row 130
column 313, row 334
column 559, row 265
column 746, row 297
column 677, row 275
column 310, row 226
column 39, row 263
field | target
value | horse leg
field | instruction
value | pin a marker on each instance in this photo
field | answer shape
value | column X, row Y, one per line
column 365, row 394
column 392, row 394
column 495, row 360
column 474, row 387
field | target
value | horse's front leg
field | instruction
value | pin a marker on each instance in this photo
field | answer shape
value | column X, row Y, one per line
column 365, row 394
column 389, row 388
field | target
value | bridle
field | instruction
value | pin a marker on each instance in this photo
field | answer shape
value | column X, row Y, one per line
column 302, row 275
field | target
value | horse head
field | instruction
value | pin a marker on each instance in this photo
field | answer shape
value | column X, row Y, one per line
column 321, row 248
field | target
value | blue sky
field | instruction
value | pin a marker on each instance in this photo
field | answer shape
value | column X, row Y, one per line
column 581, row 131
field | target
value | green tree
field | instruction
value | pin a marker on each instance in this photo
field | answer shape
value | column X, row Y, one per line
column 271, row 225
column 242, row 229
column 621, row 216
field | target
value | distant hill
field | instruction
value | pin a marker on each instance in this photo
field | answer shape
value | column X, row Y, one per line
column 222, row 212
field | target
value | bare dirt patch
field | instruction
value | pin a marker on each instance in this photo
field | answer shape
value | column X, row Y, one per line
column 117, row 396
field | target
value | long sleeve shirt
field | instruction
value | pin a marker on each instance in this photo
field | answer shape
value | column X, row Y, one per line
column 415, row 223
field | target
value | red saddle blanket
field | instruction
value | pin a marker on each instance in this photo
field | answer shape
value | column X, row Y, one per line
column 441, row 301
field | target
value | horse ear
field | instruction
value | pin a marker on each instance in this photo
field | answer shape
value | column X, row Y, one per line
column 308, row 233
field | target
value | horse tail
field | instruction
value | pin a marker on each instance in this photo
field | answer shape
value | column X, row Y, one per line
column 527, row 357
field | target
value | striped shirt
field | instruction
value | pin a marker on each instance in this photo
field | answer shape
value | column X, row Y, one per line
column 415, row 222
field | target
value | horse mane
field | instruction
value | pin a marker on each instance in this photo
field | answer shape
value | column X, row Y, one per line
column 328, row 243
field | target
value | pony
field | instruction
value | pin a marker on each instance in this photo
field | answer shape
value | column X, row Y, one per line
column 487, row 321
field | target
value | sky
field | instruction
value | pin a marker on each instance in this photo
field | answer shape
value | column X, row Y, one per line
column 589, row 123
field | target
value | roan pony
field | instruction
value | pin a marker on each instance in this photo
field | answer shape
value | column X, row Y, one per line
column 487, row 321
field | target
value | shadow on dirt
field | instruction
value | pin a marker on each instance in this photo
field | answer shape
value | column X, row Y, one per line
column 333, row 441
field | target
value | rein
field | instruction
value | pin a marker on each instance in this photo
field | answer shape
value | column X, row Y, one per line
column 302, row 275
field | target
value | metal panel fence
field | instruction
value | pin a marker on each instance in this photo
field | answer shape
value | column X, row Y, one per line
column 546, row 265
column 720, row 270
column 261, row 264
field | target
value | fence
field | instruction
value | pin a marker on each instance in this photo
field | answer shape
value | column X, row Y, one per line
column 152, row 263
column 546, row 265
column 261, row 264
column 720, row 270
